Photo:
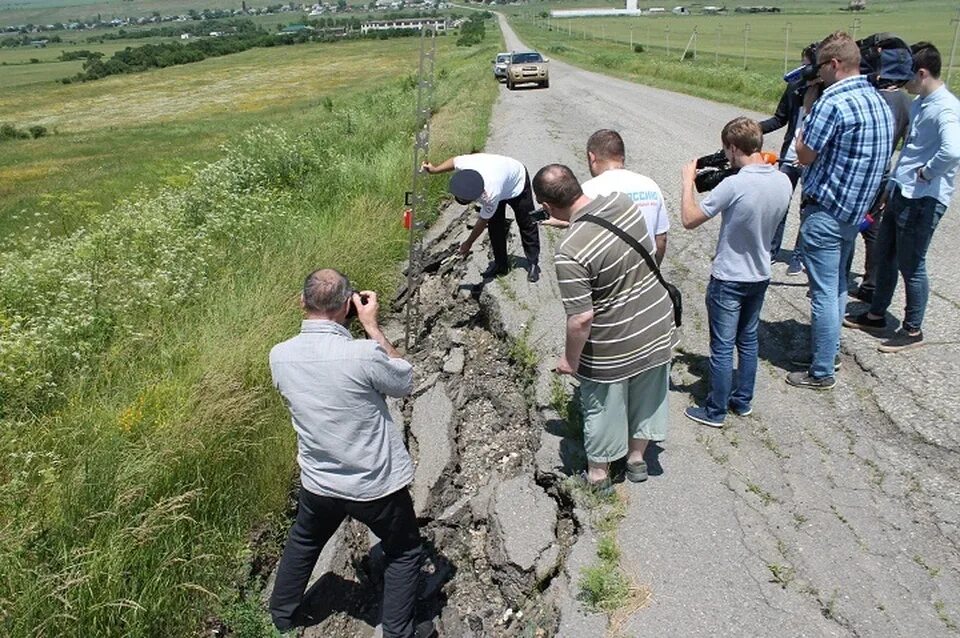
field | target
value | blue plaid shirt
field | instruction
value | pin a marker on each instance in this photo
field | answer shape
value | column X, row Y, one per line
column 851, row 129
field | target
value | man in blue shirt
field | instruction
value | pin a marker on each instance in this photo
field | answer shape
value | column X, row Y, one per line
column 845, row 144
column 351, row 455
column 920, row 191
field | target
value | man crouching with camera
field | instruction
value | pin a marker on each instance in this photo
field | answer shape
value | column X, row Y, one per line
column 750, row 205
column 351, row 455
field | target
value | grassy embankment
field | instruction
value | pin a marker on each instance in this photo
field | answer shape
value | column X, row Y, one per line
column 140, row 437
column 718, row 72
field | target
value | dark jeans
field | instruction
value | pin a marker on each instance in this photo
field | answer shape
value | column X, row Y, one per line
column 497, row 227
column 793, row 172
column 733, row 310
column 391, row 518
column 869, row 282
column 902, row 244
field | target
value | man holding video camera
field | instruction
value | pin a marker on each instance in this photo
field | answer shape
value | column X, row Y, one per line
column 845, row 144
column 789, row 113
column 750, row 205
column 352, row 458
column 494, row 181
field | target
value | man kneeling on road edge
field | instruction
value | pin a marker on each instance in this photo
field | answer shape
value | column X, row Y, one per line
column 921, row 188
column 620, row 328
column 351, row 455
column 751, row 205
column 495, row 181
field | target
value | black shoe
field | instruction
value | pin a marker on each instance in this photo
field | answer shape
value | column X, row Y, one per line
column 902, row 340
column 494, row 270
column 533, row 274
column 806, row 362
column 804, row 380
column 864, row 322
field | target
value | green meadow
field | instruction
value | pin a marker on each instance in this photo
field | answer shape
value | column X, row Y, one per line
column 153, row 248
column 739, row 57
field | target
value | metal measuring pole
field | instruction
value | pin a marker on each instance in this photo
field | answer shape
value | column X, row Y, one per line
column 416, row 198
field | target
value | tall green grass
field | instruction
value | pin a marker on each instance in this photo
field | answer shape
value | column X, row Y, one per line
column 140, row 437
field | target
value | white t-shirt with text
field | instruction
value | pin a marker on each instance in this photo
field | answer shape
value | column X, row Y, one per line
column 639, row 188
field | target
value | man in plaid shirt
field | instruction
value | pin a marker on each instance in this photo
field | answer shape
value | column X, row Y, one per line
column 845, row 144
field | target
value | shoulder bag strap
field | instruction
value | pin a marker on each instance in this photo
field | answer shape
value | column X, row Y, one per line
column 619, row 232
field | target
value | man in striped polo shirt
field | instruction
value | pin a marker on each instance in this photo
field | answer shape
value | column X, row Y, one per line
column 620, row 329
column 845, row 145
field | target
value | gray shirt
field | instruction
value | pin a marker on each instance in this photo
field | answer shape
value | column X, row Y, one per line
column 751, row 205
column 334, row 385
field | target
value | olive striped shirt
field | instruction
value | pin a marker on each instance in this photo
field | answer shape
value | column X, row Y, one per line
column 633, row 327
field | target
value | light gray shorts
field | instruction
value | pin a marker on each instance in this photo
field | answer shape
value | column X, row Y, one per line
column 635, row 408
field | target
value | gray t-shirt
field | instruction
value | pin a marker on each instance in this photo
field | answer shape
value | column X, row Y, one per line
column 751, row 204
column 334, row 386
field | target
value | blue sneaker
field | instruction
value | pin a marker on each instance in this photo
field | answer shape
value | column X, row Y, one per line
column 700, row 416
column 742, row 412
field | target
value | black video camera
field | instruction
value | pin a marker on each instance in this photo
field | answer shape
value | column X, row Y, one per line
column 352, row 312
column 540, row 215
column 711, row 170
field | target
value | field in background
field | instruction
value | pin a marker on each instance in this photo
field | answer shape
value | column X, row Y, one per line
column 166, row 119
column 140, row 437
column 718, row 72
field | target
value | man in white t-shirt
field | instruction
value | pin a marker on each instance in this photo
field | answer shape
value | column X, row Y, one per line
column 493, row 181
column 605, row 157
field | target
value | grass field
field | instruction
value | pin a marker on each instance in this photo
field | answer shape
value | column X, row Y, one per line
column 166, row 119
column 765, row 35
column 142, row 441
column 718, row 71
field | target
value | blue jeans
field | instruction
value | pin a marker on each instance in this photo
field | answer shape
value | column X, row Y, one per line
column 905, row 233
column 827, row 246
column 733, row 309
column 793, row 172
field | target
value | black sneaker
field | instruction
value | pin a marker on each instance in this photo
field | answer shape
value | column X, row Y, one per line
column 864, row 322
column 902, row 340
column 533, row 274
column 806, row 362
column 804, row 380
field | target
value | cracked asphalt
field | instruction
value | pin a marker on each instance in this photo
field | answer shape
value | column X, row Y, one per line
column 822, row 514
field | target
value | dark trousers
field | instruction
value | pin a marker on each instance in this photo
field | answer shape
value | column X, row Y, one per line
column 391, row 518
column 902, row 243
column 793, row 172
column 497, row 227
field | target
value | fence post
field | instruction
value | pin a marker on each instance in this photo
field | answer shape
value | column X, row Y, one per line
column 746, row 39
column 786, row 46
column 668, row 40
column 716, row 56
column 953, row 49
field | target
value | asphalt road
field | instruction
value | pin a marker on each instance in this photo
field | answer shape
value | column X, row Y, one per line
column 822, row 514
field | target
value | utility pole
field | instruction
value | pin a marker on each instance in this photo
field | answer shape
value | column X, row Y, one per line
column 953, row 49
column 631, row 38
column 786, row 46
column 746, row 40
column 668, row 40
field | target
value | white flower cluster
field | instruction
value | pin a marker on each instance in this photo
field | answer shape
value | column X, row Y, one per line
column 63, row 300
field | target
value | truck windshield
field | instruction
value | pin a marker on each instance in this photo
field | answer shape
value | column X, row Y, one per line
column 526, row 58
